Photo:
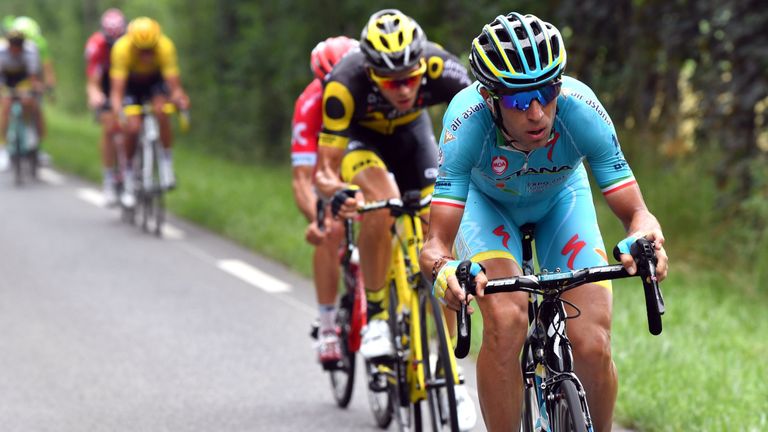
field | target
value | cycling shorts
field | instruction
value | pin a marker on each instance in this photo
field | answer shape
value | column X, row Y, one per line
column 138, row 91
column 566, row 237
column 410, row 154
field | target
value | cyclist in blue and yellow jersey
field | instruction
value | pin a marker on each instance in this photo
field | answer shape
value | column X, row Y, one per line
column 512, row 152
column 31, row 30
column 307, row 121
column 19, row 70
column 143, row 68
column 377, row 135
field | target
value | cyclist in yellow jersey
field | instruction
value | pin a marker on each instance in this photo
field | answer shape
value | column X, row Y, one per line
column 144, row 68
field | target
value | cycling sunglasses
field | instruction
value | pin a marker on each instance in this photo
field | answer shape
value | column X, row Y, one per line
column 522, row 100
column 410, row 80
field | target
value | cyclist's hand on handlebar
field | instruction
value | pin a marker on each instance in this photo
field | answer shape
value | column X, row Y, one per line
column 654, row 236
column 446, row 286
column 344, row 202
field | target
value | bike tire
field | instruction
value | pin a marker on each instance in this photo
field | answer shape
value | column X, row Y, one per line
column 159, row 212
column 380, row 401
column 158, row 191
column 531, row 410
column 342, row 377
column 566, row 414
column 438, row 375
column 400, row 391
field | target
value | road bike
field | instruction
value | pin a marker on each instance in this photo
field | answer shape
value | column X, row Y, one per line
column 423, row 368
column 554, row 399
column 22, row 140
column 351, row 315
column 151, row 181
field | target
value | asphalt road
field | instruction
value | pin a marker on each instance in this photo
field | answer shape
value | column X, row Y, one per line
column 105, row 328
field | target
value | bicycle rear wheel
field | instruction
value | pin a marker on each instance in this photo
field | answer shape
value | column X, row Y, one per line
column 565, row 409
column 343, row 375
column 438, row 371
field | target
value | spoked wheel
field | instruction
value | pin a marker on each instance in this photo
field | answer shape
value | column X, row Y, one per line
column 145, row 198
column 16, row 160
column 34, row 163
column 158, row 207
column 406, row 414
column 530, row 419
column 438, row 371
column 343, row 375
column 566, row 414
column 380, row 393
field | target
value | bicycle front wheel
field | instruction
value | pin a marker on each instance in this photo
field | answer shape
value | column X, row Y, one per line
column 438, row 370
column 343, row 375
column 566, row 413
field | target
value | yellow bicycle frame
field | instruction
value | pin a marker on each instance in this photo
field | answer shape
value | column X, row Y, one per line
column 407, row 242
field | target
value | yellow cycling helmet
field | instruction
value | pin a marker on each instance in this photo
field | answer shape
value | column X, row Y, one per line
column 392, row 41
column 144, row 32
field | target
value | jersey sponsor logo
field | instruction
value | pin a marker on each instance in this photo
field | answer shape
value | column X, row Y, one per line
column 298, row 131
column 499, row 165
column 448, row 137
column 573, row 247
column 307, row 105
column 466, row 114
column 551, row 145
column 499, row 231
column 542, row 170
column 440, row 156
column 595, row 105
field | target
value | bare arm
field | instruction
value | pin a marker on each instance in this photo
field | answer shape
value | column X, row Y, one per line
column 96, row 97
column 628, row 205
column 327, row 174
column 178, row 96
column 303, row 193
column 116, row 95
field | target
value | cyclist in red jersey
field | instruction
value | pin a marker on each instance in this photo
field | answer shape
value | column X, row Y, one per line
column 307, row 122
column 97, row 51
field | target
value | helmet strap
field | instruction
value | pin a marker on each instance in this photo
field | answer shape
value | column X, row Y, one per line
column 500, row 123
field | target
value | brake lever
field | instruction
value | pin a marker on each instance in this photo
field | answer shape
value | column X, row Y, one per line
column 644, row 253
column 463, row 322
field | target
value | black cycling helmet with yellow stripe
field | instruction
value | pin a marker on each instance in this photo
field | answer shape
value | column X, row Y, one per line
column 392, row 41
column 517, row 52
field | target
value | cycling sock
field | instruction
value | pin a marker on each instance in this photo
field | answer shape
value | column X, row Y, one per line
column 109, row 176
column 327, row 317
column 378, row 304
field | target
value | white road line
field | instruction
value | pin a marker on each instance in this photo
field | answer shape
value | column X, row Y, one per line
column 50, row 176
column 170, row 232
column 91, row 196
column 253, row 276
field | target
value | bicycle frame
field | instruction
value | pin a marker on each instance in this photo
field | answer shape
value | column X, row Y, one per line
column 546, row 358
column 405, row 281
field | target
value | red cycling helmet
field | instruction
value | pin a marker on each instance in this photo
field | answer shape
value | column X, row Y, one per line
column 113, row 23
column 328, row 52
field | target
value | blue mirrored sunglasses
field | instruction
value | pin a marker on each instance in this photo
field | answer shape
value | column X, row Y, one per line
column 522, row 100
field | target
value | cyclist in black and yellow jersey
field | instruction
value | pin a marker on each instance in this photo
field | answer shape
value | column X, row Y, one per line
column 377, row 135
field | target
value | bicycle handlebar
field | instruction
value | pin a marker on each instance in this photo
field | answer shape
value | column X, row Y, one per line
column 552, row 284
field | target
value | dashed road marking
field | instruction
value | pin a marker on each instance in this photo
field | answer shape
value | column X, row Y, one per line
column 91, row 196
column 253, row 276
column 50, row 176
column 170, row 232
